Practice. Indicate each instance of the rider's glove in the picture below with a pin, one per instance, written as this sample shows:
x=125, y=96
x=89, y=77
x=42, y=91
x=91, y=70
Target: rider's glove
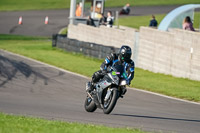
x=104, y=72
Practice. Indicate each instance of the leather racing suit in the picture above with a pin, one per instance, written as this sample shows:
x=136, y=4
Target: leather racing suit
x=109, y=60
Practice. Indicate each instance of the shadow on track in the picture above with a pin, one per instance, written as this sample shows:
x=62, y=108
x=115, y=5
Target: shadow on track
x=12, y=30
x=9, y=68
x=153, y=117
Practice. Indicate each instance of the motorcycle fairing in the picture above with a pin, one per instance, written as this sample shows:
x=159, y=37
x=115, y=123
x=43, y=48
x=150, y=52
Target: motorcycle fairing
x=100, y=86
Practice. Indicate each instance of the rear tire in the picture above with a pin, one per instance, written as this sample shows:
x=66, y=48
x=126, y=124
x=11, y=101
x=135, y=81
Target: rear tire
x=89, y=105
x=114, y=97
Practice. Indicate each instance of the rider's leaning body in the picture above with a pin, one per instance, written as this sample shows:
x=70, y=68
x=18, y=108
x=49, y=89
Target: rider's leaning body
x=123, y=58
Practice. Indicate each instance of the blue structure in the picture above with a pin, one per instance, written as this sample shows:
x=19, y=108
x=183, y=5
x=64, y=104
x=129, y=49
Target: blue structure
x=175, y=18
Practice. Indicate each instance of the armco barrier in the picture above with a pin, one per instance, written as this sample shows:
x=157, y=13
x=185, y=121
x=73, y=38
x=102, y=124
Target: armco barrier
x=86, y=48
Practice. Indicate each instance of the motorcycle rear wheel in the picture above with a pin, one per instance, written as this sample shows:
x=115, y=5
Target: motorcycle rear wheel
x=108, y=107
x=89, y=105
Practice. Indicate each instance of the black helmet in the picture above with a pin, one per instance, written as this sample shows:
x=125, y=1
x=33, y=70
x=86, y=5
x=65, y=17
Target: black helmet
x=125, y=53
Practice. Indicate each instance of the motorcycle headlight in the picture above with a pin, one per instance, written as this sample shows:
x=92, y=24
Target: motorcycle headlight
x=123, y=82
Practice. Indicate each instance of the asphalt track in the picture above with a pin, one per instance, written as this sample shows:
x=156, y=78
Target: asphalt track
x=32, y=88
x=33, y=21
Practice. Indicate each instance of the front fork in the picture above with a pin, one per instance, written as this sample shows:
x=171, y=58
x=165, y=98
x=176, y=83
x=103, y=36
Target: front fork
x=109, y=91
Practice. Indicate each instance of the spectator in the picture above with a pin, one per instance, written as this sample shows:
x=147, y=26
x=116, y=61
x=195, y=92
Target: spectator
x=109, y=19
x=153, y=22
x=125, y=10
x=78, y=9
x=187, y=24
x=90, y=21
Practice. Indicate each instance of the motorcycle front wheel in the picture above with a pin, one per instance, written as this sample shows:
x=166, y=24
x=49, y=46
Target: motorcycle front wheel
x=89, y=105
x=109, y=105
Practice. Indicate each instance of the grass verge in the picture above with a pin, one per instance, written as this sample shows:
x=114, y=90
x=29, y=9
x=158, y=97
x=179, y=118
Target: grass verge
x=63, y=31
x=12, y=5
x=21, y=124
x=137, y=21
x=41, y=50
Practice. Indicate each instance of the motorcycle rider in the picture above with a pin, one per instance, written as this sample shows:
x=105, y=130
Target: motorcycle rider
x=123, y=58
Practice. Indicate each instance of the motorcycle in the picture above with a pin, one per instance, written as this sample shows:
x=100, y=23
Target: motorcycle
x=107, y=91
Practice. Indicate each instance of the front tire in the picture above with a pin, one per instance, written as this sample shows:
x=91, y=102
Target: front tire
x=109, y=106
x=89, y=105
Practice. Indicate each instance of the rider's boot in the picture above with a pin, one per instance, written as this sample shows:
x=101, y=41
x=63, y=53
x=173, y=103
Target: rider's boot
x=89, y=86
x=124, y=91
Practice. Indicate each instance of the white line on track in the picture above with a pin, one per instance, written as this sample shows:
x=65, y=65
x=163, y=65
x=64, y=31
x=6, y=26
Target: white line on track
x=51, y=66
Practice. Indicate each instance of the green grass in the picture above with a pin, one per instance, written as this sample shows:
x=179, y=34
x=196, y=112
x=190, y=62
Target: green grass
x=20, y=37
x=197, y=20
x=167, y=85
x=63, y=31
x=11, y=5
x=137, y=21
x=42, y=50
x=21, y=124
